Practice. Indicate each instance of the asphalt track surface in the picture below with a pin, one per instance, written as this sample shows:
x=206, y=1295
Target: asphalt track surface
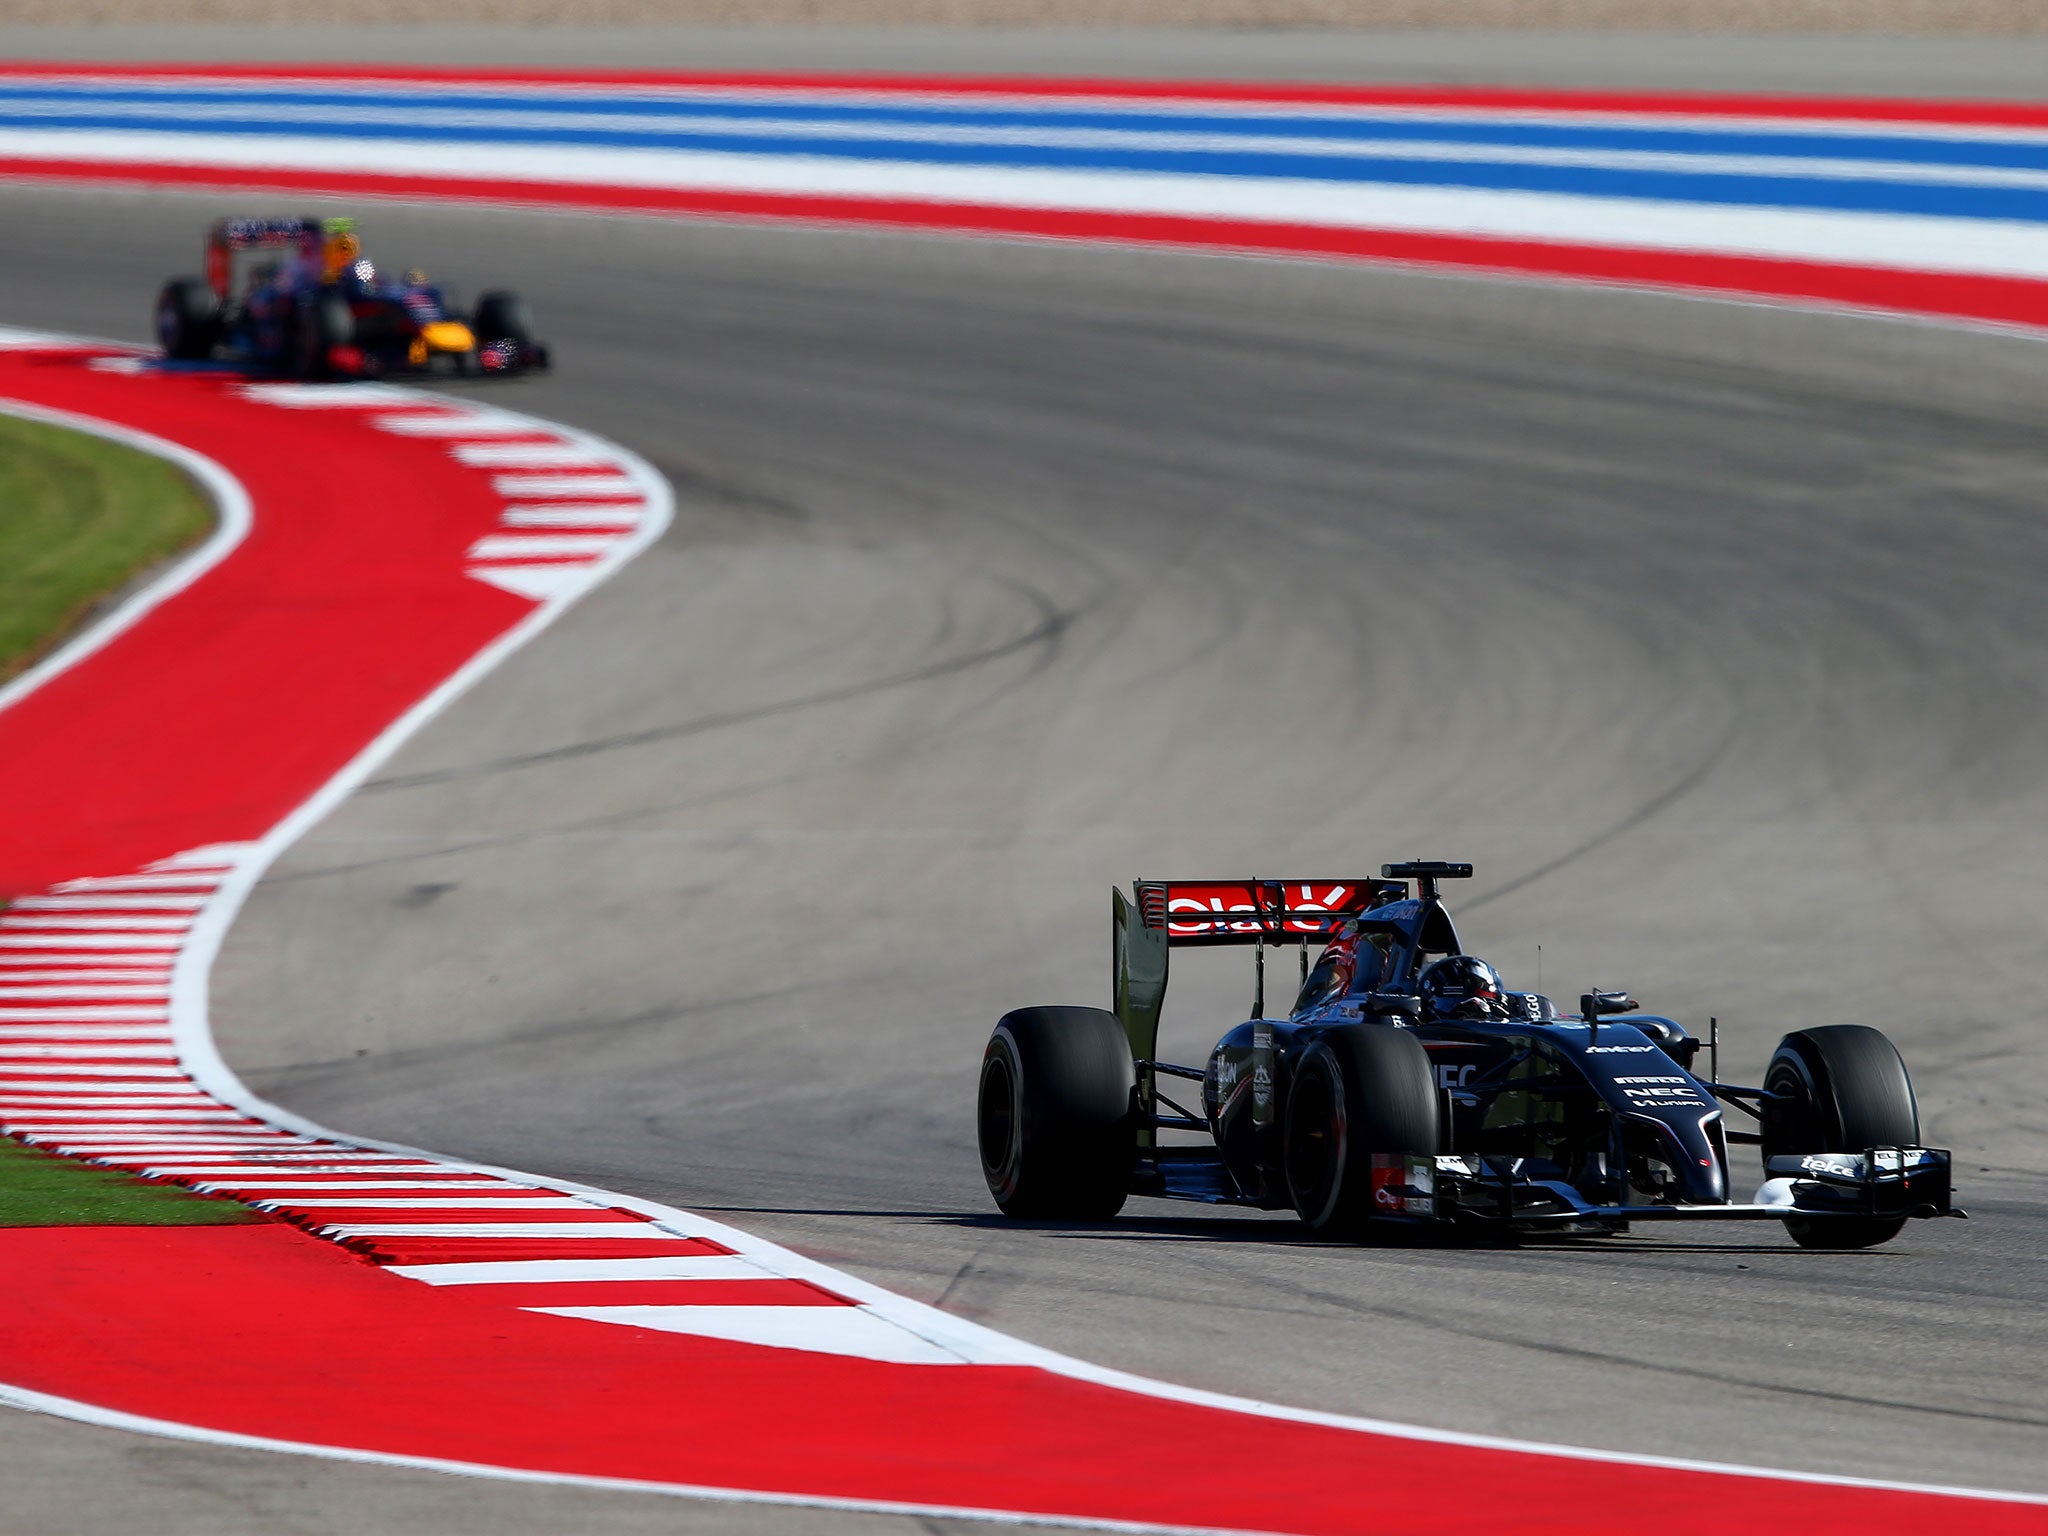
x=1002, y=573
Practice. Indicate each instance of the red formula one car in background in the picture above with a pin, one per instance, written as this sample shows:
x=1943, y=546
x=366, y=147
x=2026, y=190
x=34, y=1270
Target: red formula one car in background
x=299, y=298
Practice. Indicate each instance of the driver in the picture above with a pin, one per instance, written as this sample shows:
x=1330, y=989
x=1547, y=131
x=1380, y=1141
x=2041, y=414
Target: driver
x=340, y=251
x=1462, y=987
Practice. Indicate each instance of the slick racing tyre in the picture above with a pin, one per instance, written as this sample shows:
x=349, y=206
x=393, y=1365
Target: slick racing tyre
x=1360, y=1089
x=320, y=323
x=502, y=315
x=1841, y=1088
x=1057, y=1126
x=187, y=320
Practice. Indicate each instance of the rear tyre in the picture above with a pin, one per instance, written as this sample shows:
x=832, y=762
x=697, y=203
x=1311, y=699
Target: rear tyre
x=1057, y=1126
x=1843, y=1088
x=320, y=323
x=1361, y=1089
x=187, y=319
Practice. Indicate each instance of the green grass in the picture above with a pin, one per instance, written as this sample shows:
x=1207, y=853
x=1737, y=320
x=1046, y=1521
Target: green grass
x=79, y=519
x=39, y=1190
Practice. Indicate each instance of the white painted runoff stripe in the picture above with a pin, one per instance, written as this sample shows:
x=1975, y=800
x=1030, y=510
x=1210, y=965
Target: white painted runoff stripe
x=478, y=422
x=552, y=1271
x=530, y=456
x=133, y=924
x=81, y=968
x=333, y=397
x=598, y=514
x=80, y=1014
x=631, y=1231
x=322, y=1184
x=511, y=546
x=565, y=485
x=823, y=1330
x=152, y=882
x=541, y=583
x=32, y=1099
x=83, y=941
x=85, y=1118
x=214, y=1167
x=499, y=1202
x=86, y=901
x=10, y=993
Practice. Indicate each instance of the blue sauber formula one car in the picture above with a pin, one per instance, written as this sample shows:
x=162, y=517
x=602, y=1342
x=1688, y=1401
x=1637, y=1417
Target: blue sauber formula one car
x=306, y=303
x=1407, y=1089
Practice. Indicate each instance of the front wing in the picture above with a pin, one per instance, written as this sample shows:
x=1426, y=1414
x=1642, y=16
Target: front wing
x=1880, y=1183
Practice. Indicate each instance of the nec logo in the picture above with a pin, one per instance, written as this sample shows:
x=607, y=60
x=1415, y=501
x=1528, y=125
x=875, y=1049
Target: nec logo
x=1451, y=1076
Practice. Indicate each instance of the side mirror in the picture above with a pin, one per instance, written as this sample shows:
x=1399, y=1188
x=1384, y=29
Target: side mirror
x=1594, y=1005
x=1406, y=1004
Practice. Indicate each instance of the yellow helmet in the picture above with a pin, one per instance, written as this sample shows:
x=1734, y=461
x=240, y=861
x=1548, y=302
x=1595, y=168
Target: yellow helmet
x=340, y=253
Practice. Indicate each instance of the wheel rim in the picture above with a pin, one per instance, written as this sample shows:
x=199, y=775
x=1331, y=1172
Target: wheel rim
x=1794, y=1123
x=998, y=1123
x=1314, y=1146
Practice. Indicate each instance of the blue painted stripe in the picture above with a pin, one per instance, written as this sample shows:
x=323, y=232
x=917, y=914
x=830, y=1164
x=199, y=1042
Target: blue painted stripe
x=1944, y=150
x=1942, y=200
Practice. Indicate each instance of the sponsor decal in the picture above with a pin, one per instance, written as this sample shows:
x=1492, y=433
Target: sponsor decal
x=1836, y=1167
x=1617, y=1050
x=1262, y=1072
x=1403, y=1186
x=1658, y=1091
x=1451, y=1076
x=1220, y=902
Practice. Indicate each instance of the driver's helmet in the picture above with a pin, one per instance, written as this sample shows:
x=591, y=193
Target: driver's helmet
x=339, y=252
x=1462, y=987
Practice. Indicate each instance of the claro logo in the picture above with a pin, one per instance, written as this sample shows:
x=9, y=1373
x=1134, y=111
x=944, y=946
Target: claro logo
x=1225, y=902
x=1617, y=1050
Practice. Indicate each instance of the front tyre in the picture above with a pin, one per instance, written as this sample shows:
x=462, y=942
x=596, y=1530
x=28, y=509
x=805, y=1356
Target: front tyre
x=1359, y=1090
x=1056, y=1121
x=1841, y=1088
x=502, y=315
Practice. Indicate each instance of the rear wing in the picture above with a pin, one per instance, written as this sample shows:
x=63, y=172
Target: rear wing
x=228, y=236
x=253, y=234
x=1169, y=914
x=1205, y=912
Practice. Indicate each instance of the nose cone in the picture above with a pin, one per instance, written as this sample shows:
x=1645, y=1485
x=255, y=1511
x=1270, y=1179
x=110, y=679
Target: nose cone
x=1701, y=1170
x=448, y=336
